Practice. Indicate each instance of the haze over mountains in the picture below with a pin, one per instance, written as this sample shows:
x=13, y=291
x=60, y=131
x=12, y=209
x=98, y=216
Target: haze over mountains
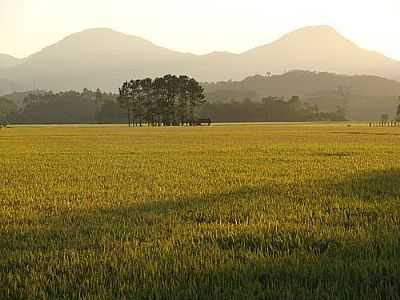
x=7, y=61
x=104, y=58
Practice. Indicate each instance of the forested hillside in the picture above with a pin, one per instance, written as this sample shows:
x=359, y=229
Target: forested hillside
x=363, y=97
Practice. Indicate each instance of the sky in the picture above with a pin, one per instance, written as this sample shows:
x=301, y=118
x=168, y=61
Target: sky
x=199, y=27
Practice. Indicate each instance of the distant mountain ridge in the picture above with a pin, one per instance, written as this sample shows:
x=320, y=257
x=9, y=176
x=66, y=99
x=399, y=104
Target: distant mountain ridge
x=104, y=58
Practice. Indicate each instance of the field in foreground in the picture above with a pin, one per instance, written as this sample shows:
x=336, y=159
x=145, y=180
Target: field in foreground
x=220, y=212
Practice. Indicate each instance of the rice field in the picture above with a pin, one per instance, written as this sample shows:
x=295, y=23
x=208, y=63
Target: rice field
x=278, y=211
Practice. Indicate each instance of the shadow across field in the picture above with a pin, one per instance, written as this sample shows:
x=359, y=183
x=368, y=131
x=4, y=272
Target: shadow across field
x=270, y=241
x=372, y=186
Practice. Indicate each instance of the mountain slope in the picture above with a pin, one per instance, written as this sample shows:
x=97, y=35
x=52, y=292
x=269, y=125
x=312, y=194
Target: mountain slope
x=318, y=48
x=7, y=61
x=100, y=47
x=104, y=58
x=94, y=58
x=8, y=86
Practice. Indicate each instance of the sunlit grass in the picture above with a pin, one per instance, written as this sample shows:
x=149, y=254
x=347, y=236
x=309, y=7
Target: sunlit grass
x=221, y=212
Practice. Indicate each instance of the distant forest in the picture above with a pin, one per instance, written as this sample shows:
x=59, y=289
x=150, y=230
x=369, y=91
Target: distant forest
x=294, y=96
x=98, y=107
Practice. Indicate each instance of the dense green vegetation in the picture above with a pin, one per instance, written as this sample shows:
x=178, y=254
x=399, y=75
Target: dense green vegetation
x=220, y=212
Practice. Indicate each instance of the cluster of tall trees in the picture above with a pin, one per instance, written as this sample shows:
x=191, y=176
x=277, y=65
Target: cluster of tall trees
x=167, y=100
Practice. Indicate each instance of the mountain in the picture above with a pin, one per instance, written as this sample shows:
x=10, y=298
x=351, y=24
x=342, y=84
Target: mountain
x=93, y=58
x=7, y=85
x=104, y=58
x=364, y=97
x=7, y=61
x=319, y=48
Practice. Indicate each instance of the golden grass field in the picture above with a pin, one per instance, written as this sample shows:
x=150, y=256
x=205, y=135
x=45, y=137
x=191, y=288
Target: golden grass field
x=223, y=212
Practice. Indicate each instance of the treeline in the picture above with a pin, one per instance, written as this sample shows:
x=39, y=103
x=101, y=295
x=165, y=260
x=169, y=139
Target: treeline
x=270, y=109
x=69, y=107
x=168, y=100
x=96, y=107
x=7, y=108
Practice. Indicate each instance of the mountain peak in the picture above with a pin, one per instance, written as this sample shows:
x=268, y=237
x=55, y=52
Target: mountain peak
x=219, y=54
x=326, y=29
x=105, y=35
x=98, y=29
x=316, y=34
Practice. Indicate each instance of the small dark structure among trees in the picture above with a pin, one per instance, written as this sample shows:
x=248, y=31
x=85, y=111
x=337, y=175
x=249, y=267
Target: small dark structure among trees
x=163, y=101
x=200, y=122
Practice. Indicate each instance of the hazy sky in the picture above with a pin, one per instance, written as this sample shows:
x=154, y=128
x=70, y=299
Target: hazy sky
x=198, y=26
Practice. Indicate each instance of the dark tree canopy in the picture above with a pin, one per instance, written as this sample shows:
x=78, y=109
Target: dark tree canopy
x=64, y=108
x=168, y=100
